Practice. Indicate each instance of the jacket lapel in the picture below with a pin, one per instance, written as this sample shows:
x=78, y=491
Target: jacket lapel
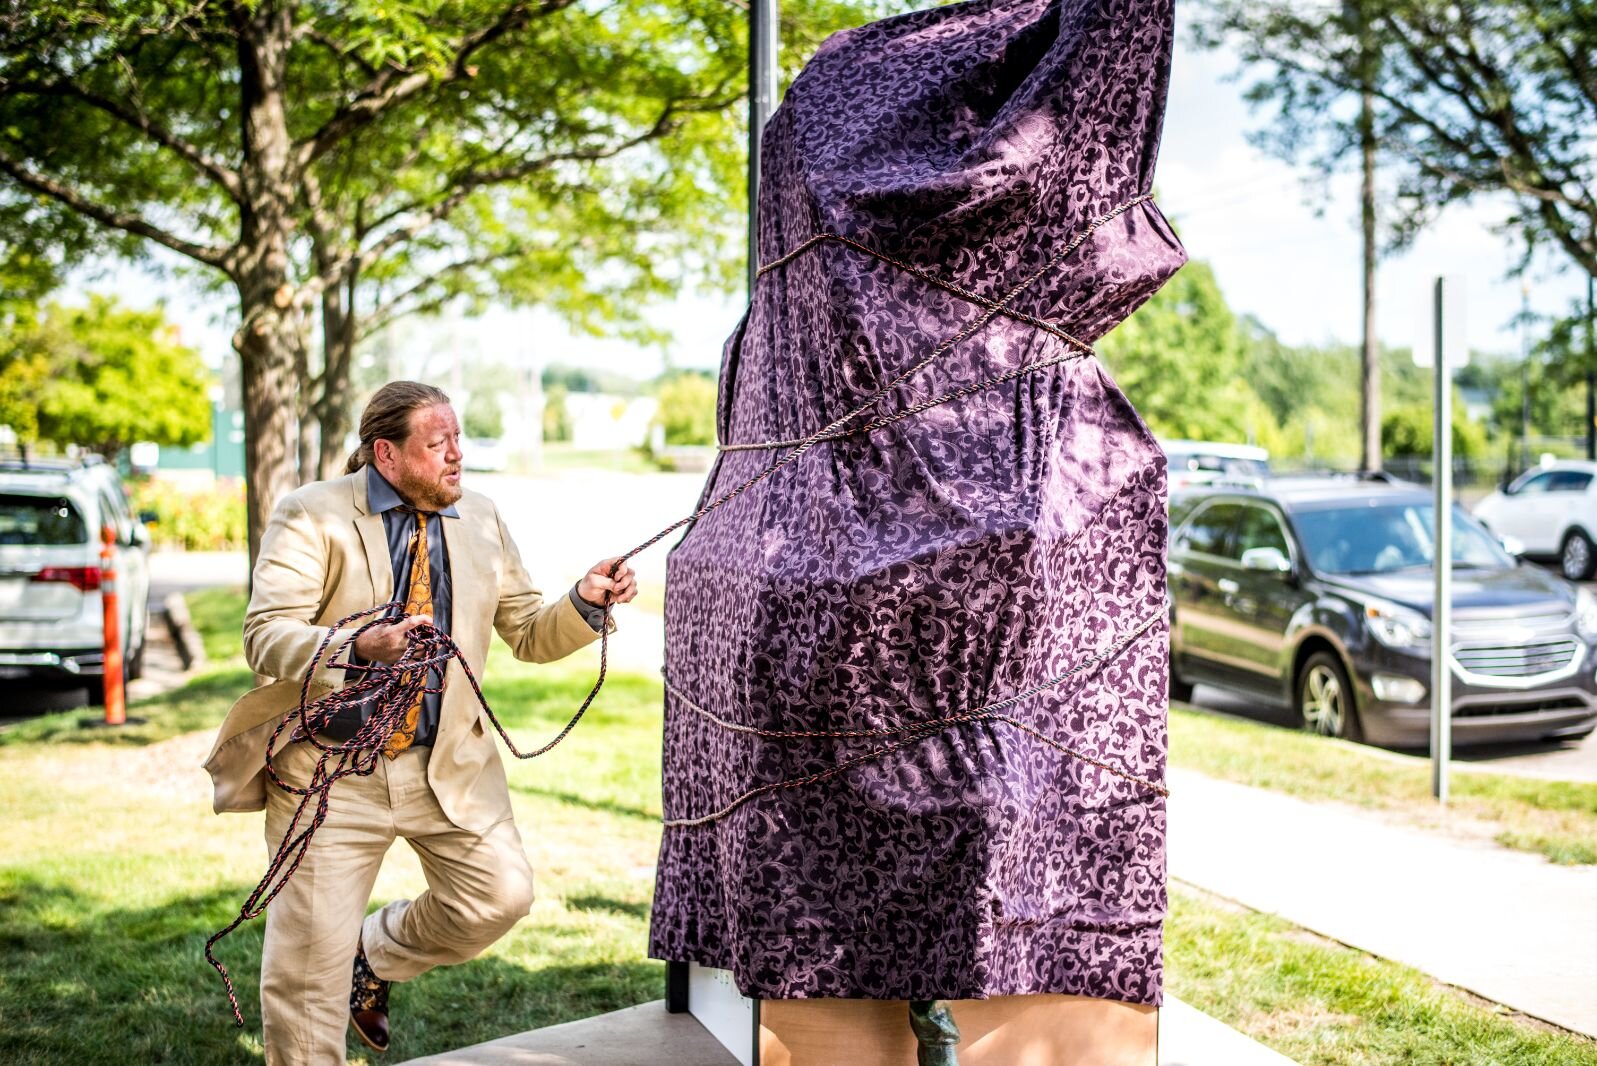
x=374, y=538
x=466, y=580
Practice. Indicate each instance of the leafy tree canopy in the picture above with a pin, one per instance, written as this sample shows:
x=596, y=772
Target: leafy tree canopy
x=104, y=377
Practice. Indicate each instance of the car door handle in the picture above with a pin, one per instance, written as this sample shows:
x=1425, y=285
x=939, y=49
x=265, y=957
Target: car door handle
x=1228, y=586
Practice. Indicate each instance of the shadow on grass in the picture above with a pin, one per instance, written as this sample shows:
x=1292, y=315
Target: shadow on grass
x=587, y=802
x=200, y=704
x=86, y=982
x=638, y=910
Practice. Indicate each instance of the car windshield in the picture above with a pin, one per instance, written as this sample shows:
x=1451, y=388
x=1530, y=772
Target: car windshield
x=45, y=521
x=1388, y=537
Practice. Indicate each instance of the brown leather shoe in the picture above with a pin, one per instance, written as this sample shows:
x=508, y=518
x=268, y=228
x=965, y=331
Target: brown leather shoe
x=368, y=1004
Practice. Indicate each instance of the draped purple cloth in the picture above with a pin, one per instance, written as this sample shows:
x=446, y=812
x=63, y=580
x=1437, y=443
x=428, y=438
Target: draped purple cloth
x=944, y=562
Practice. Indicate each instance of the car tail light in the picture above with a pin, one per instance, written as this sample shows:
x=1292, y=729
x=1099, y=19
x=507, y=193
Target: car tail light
x=82, y=578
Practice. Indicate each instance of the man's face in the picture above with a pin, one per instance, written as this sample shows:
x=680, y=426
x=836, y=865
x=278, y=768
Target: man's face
x=426, y=467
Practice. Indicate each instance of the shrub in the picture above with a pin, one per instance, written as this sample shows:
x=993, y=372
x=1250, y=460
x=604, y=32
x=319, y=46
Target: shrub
x=687, y=408
x=210, y=519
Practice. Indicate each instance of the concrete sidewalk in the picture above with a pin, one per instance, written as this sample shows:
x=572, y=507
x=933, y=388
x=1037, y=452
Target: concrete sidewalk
x=646, y=1035
x=1506, y=925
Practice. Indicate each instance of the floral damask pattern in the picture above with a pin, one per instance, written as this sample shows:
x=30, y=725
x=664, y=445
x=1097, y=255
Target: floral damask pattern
x=948, y=560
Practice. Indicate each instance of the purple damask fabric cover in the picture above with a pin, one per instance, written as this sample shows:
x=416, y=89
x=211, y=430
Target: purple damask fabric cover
x=948, y=560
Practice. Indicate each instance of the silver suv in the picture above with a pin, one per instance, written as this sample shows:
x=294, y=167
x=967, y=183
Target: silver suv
x=52, y=621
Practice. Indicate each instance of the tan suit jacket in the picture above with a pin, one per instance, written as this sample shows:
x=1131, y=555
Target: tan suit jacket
x=324, y=557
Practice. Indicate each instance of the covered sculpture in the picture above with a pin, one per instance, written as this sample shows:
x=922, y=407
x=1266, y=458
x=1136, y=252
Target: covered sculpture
x=916, y=679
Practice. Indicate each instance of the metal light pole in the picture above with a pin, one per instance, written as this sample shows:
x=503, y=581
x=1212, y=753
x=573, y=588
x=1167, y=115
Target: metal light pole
x=1524, y=376
x=762, y=101
x=1448, y=346
x=1591, y=375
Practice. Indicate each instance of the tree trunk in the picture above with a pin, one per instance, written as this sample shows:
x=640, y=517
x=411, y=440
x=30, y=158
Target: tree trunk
x=1371, y=459
x=304, y=412
x=338, y=351
x=269, y=338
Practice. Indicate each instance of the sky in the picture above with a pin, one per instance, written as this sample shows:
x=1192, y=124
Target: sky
x=1246, y=214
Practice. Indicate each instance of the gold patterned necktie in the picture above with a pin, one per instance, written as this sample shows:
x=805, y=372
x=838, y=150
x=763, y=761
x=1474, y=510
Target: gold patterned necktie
x=419, y=600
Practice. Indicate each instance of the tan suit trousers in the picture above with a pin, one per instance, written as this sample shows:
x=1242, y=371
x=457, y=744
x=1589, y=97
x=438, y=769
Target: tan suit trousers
x=478, y=886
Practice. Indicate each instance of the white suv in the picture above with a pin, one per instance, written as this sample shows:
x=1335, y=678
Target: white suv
x=52, y=621
x=1552, y=510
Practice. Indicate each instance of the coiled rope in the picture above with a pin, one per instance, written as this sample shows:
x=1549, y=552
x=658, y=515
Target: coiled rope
x=389, y=689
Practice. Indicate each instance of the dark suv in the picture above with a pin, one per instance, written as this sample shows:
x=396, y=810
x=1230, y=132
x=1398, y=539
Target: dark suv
x=1315, y=593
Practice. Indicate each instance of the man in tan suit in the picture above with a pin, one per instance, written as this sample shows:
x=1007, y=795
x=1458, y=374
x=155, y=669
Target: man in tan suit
x=396, y=526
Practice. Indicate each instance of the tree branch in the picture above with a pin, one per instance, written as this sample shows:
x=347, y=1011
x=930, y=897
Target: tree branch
x=219, y=172
x=394, y=86
x=470, y=181
x=309, y=32
x=393, y=308
x=221, y=258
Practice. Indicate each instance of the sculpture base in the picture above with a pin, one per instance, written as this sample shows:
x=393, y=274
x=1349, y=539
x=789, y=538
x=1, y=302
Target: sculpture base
x=1040, y=1030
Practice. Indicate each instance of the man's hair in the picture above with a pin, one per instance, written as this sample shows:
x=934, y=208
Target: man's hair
x=387, y=417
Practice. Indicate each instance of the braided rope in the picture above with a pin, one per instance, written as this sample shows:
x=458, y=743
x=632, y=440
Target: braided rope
x=916, y=731
x=931, y=279
x=390, y=688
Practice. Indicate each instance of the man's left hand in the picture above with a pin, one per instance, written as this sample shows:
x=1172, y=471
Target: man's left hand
x=597, y=581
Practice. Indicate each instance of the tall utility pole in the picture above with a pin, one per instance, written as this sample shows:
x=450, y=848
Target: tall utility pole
x=762, y=101
x=1524, y=376
x=1591, y=373
x=1369, y=60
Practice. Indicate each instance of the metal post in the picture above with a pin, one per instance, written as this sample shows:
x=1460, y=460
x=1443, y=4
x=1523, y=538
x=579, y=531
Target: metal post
x=1442, y=454
x=1524, y=378
x=762, y=101
x=1591, y=375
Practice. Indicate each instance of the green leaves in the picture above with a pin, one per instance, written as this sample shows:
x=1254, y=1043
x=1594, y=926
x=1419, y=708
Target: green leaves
x=102, y=376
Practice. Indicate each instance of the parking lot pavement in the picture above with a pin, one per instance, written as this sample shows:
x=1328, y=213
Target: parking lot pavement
x=1558, y=760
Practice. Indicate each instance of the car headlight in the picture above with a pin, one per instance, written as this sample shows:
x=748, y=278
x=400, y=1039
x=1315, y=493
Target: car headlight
x=1585, y=614
x=1398, y=627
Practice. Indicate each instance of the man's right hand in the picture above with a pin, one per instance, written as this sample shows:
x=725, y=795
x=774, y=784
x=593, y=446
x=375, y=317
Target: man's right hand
x=386, y=643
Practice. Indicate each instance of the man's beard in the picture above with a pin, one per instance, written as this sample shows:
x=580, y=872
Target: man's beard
x=427, y=495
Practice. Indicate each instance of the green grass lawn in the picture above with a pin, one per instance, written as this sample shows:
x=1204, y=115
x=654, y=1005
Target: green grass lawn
x=563, y=457
x=1323, y=1004
x=114, y=871
x=1557, y=819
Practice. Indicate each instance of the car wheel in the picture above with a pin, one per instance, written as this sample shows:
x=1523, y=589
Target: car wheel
x=1325, y=698
x=135, y=662
x=1576, y=556
x=1179, y=690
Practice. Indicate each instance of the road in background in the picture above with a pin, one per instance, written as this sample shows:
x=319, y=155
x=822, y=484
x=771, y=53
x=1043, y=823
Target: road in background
x=1559, y=760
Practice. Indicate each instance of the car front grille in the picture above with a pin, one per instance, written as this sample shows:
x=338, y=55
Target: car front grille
x=1529, y=659
x=1493, y=710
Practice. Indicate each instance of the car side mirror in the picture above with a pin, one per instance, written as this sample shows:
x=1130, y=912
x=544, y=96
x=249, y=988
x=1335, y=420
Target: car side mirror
x=1270, y=560
x=1512, y=545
